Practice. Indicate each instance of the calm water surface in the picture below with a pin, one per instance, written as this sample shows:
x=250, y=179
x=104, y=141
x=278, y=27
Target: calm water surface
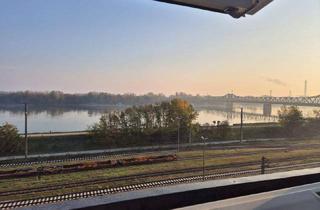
x=76, y=120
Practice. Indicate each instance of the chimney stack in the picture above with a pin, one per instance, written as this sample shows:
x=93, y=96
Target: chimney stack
x=305, y=88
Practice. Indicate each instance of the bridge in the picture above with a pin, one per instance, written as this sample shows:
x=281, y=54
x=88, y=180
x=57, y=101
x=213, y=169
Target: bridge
x=230, y=115
x=267, y=101
x=296, y=101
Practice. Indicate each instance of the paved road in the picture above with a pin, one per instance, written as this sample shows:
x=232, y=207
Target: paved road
x=133, y=149
x=76, y=133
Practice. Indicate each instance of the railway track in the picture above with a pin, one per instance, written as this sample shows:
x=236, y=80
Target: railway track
x=105, y=156
x=220, y=169
x=108, y=191
x=84, y=158
x=312, y=155
x=198, y=157
x=125, y=178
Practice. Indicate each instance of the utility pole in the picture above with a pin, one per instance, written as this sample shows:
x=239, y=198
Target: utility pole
x=178, y=143
x=203, y=157
x=241, y=126
x=26, y=129
x=190, y=134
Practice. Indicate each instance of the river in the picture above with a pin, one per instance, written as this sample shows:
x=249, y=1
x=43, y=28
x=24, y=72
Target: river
x=78, y=119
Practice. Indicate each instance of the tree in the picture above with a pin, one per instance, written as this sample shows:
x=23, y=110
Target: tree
x=146, y=120
x=108, y=125
x=312, y=125
x=291, y=119
x=183, y=111
x=10, y=141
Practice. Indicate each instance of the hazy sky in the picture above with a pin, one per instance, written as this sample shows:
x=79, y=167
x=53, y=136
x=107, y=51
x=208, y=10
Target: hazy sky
x=141, y=46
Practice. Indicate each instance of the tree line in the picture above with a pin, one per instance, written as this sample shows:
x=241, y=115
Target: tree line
x=94, y=98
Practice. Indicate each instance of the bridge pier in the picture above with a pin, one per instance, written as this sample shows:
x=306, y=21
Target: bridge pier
x=229, y=106
x=267, y=109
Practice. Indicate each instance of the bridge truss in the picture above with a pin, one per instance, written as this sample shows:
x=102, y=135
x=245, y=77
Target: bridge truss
x=297, y=101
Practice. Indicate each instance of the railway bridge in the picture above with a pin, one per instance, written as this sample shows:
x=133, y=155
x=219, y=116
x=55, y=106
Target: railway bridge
x=267, y=101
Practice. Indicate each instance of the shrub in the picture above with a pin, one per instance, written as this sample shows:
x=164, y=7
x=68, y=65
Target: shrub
x=10, y=141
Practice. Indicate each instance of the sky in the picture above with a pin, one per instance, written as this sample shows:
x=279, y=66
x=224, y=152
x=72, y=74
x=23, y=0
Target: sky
x=141, y=46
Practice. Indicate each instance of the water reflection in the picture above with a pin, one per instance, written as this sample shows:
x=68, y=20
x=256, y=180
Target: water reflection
x=75, y=118
x=60, y=111
x=232, y=116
